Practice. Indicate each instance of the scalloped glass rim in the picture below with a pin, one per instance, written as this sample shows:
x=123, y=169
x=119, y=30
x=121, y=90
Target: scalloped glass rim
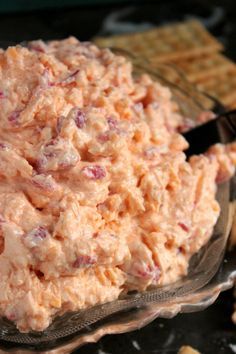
x=224, y=280
x=136, y=317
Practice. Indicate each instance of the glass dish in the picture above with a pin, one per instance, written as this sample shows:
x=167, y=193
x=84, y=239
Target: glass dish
x=135, y=310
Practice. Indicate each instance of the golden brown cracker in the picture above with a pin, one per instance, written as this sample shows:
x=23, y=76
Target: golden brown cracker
x=176, y=76
x=205, y=66
x=222, y=86
x=233, y=104
x=186, y=349
x=169, y=42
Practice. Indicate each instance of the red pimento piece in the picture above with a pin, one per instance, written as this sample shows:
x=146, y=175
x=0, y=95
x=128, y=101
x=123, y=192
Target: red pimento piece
x=40, y=232
x=149, y=272
x=12, y=316
x=3, y=146
x=2, y=95
x=40, y=164
x=183, y=226
x=103, y=137
x=113, y=124
x=143, y=273
x=43, y=183
x=79, y=119
x=94, y=172
x=66, y=164
x=59, y=124
x=69, y=79
x=52, y=142
x=37, y=47
x=13, y=118
x=84, y=261
x=73, y=74
x=2, y=220
x=50, y=154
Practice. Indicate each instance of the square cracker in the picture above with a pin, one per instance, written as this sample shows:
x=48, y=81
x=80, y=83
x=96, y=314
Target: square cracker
x=186, y=349
x=203, y=67
x=222, y=86
x=165, y=43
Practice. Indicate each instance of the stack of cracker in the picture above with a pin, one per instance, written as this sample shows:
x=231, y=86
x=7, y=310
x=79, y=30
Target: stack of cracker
x=191, y=49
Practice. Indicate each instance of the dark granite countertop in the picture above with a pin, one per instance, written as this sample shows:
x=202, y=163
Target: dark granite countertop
x=210, y=331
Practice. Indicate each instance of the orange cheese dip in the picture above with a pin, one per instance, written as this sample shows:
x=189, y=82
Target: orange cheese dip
x=96, y=196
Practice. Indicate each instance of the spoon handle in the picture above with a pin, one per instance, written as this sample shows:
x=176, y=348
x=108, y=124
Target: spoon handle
x=222, y=129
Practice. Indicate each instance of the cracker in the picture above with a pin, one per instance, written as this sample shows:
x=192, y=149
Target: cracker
x=177, y=77
x=223, y=87
x=170, y=42
x=233, y=104
x=205, y=66
x=186, y=349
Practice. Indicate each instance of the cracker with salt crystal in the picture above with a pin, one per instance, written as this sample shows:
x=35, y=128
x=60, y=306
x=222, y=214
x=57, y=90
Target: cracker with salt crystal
x=165, y=43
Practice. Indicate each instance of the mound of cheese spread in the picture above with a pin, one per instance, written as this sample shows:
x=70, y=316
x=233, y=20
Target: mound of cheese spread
x=96, y=195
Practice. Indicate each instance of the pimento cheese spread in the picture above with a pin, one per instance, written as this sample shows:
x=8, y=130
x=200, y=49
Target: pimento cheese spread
x=96, y=195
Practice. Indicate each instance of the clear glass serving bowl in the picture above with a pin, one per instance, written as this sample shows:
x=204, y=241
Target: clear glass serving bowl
x=135, y=310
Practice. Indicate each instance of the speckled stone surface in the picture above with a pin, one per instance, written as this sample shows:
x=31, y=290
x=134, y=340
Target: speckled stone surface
x=210, y=331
